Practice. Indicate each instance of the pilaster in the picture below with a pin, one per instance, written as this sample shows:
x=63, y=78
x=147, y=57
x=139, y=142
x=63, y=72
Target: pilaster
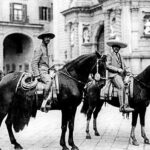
x=134, y=27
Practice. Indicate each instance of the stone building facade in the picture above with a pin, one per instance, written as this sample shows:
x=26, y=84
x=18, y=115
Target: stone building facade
x=21, y=21
x=83, y=26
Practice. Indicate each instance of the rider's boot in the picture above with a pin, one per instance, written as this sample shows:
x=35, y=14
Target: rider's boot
x=48, y=99
x=124, y=106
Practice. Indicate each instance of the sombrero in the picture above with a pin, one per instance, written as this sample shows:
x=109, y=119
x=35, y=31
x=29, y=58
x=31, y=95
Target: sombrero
x=44, y=34
x=116, y=42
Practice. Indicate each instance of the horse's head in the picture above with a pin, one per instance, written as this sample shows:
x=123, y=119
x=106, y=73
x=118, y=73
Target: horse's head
x=81, y=67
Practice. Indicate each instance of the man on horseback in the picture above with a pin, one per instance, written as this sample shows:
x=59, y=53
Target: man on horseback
x=117, y=72
x=40, y=67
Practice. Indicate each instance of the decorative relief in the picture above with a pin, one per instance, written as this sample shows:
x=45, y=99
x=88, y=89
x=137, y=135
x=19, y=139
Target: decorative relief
x=112, y=34
x=72, y=35
x=86, y=33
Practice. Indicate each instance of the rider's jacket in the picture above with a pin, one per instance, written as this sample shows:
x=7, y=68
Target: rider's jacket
x=40, y=60
x=114, y=62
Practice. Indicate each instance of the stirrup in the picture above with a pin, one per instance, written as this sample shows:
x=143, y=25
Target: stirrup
x=126, y=109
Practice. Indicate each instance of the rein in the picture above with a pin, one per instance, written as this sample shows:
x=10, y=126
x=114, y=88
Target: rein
x=68, y=75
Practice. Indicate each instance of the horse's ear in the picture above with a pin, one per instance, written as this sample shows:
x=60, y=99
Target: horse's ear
x=98, y=54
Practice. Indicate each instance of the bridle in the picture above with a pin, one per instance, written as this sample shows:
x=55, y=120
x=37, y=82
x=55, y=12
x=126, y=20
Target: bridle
x=66, y=73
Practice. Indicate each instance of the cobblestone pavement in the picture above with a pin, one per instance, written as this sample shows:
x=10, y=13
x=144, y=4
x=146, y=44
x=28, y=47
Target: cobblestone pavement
x=43, y=133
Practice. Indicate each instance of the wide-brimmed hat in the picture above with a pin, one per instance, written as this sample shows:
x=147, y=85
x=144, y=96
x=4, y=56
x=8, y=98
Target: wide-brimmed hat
x=116, y=42
x=46, y=34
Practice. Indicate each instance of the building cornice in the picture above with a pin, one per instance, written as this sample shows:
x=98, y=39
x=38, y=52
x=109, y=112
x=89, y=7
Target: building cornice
x=85, y=9
x=3, y=23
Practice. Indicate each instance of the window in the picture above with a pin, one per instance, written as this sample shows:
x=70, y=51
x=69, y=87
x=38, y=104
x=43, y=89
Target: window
x=45, y=13
x=18, y=12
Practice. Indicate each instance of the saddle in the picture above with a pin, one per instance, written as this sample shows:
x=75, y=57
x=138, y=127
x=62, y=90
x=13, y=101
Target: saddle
x=27, y=82
x=109, y=90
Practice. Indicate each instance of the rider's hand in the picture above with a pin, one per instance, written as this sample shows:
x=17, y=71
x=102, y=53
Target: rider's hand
x=120, y=71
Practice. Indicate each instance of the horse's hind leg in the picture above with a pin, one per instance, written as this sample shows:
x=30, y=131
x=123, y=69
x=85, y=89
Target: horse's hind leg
x=71, y=129
x=10, y=132
x=133, y=139
x=95, y=114
x=142, y=122
x=89, y=114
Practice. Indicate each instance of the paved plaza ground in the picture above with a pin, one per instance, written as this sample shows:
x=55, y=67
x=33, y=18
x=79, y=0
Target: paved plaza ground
x=43, y=133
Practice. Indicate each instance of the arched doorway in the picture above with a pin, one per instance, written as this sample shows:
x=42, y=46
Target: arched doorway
x=17, y=52
x=100, y=39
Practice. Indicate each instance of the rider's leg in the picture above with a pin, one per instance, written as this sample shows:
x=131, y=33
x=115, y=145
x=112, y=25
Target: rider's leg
x=118, y=83
x=47, y=91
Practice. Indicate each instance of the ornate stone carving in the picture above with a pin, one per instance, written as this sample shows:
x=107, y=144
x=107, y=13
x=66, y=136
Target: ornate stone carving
x=86, y=33
x=72, y=35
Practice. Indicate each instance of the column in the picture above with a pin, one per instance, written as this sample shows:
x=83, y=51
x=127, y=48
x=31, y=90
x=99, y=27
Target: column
x=68, y=40
x=134, y=27
x=1, y=53
x=106, y=30
x=118, y=22
x=76, y=42
x=126, y=28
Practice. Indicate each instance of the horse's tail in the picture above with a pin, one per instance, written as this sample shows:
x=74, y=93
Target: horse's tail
x=24, y=107
x=85, y=106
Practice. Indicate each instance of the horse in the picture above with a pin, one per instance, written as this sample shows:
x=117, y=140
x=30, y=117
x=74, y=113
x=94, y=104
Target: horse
x=19, y=105
x=139, y=101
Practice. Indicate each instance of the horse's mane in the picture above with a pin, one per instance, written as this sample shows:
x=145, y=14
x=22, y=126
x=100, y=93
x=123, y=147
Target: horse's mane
x=79, y=60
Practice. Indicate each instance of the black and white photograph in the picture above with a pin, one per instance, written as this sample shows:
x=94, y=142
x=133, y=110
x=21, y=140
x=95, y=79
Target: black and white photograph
x=74, y=74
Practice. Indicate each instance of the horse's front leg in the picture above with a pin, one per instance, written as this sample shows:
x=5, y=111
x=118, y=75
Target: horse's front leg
x=64, y=129
x=71, y=129
x=95, y=114
x=10, y=132
x=142, y=122
x=133, y=139
x=89, y=114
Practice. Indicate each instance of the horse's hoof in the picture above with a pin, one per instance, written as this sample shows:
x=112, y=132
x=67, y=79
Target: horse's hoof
x=18, y=147
x=97, y=134
x=65, y=148
x=134, y=142
x=74, y=148
x=146, y=141
x=88, y=137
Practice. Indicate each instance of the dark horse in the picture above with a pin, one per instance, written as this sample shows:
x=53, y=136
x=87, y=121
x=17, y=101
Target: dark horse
x=20, y=105
x=140, y=101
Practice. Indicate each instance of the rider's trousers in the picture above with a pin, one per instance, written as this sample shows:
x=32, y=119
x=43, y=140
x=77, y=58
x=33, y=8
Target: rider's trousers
x=119, y=84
